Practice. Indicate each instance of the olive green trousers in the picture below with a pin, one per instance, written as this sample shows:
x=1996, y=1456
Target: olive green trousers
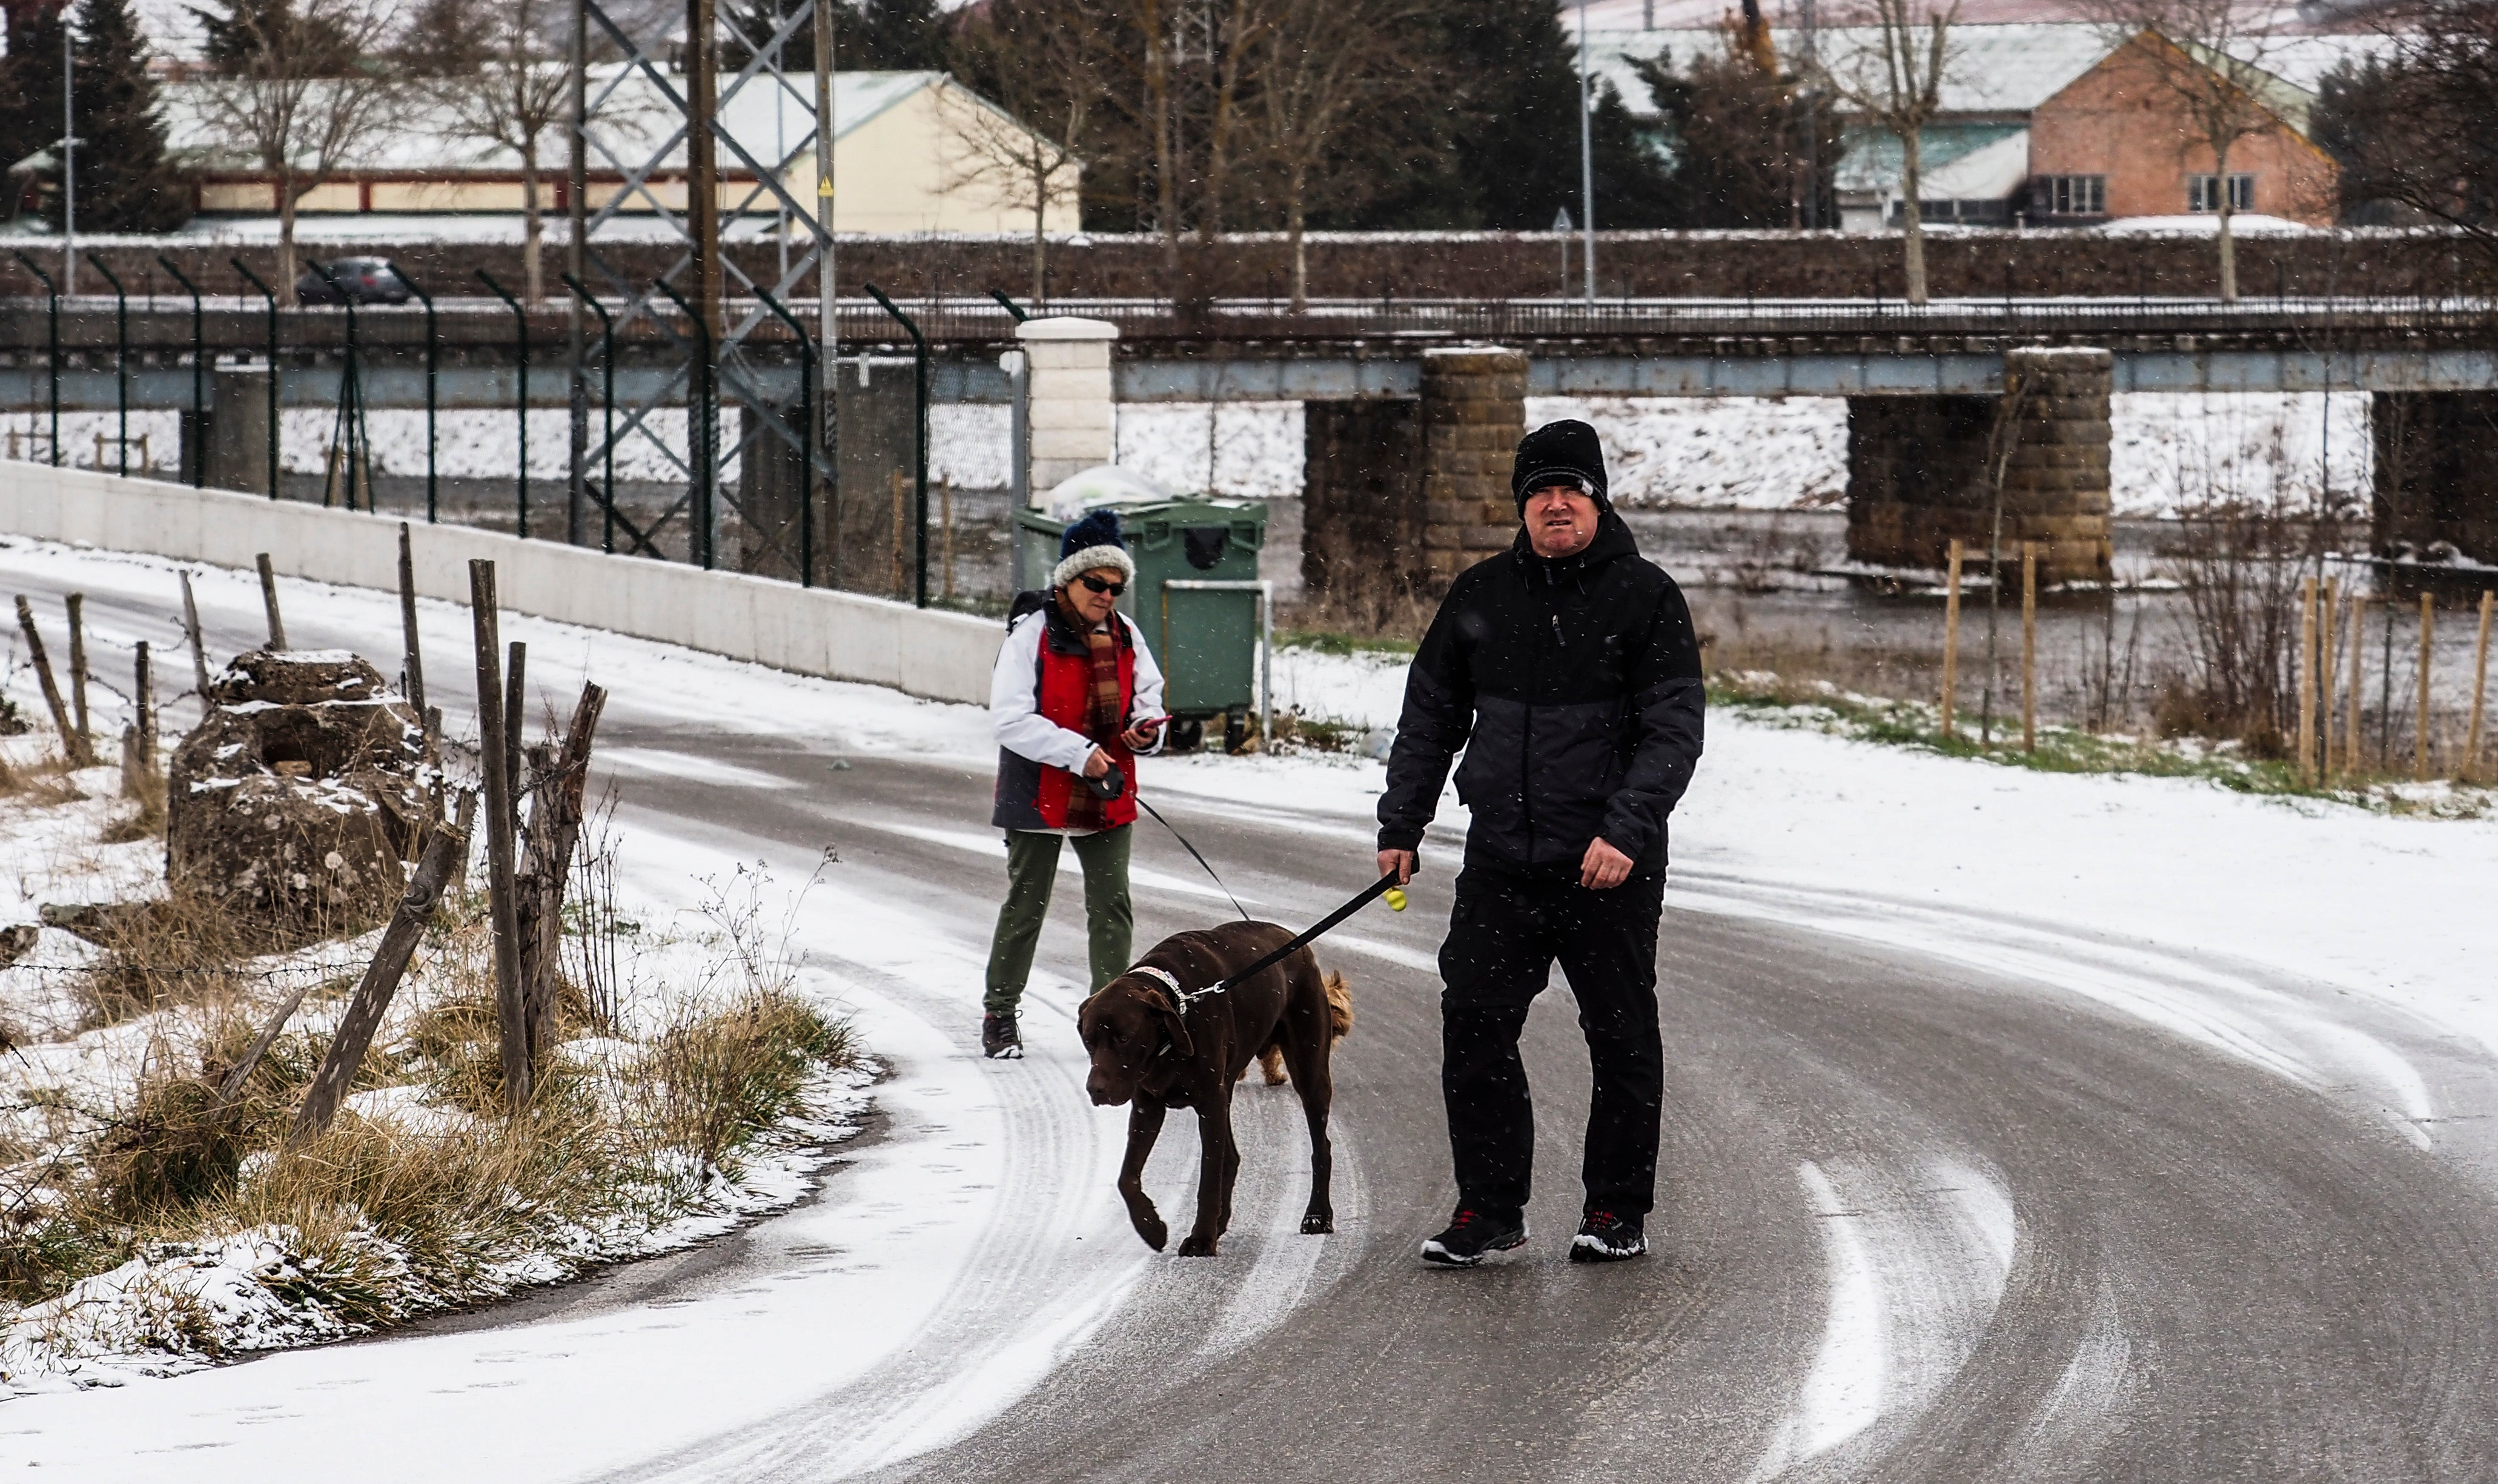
x=1032, y=869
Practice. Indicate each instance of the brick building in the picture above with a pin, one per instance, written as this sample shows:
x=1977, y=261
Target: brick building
x=2121, y=140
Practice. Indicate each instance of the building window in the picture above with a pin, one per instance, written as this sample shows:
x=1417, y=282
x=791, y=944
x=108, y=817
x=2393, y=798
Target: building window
x=2203, y=193
x=2071, y=195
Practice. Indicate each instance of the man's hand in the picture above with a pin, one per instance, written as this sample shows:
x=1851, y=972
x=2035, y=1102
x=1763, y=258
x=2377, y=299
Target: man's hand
x=1402, y=864
x=1603, y=866
x=1097, y=764
x=1140, y=735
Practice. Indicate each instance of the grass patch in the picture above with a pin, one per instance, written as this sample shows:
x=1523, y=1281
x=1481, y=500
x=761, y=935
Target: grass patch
x=1823, y=708
x=1339, y=641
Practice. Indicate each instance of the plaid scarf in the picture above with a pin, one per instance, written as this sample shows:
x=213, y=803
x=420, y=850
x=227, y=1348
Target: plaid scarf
x=1102, y=721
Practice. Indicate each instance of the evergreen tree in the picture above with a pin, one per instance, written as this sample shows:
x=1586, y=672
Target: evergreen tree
x=1737, y=136
x=125, y=183
x=1505, y=149
x=30, y=89
x=871, y=34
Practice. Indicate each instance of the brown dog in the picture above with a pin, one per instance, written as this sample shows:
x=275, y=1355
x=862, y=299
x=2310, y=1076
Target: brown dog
x=1159, y=1043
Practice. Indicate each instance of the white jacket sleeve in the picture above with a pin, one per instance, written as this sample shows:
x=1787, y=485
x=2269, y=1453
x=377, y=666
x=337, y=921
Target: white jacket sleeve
x=1148, y=701
x=1014, y=713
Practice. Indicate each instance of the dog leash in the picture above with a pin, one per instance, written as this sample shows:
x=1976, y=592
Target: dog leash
x=1377, y=888
x=1112, y=785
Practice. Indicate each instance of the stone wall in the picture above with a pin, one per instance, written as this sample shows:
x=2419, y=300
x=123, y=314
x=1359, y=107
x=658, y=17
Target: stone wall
x=1474, y=412
x=1361, y=506
x=1917, y=475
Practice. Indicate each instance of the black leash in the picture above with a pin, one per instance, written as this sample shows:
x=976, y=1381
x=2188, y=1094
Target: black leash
x=1375, y=890
x=1192, y=849
x=1112, y=785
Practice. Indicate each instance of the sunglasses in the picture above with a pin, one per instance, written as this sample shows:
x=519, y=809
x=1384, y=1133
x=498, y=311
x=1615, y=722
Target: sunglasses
x=1114, y=588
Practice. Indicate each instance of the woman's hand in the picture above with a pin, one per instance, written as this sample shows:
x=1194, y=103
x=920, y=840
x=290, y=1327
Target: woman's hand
x=1140, y=735
x=1097, y=764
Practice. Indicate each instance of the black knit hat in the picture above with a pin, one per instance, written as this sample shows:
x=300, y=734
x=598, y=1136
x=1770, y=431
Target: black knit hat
x=1566, y=452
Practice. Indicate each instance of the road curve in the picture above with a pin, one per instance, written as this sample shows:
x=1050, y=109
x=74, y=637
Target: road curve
x=2033, y=1211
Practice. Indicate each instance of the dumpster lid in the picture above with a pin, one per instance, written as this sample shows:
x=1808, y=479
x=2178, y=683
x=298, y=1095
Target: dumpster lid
x=1104, y=484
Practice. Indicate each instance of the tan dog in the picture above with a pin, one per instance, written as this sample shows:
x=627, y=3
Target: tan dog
x=1159, y=1040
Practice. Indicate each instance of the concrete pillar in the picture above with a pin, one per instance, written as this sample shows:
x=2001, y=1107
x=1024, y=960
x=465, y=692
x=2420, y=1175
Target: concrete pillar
x=1361, y=506
x=2436, y=478
x=1069, y=396
x=237, y=433
x=1474, y=412
x=1917, y=475
x=860, y=545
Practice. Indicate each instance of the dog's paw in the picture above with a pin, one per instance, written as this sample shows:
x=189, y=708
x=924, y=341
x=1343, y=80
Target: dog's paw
x=1150, y=1227
x=1318, y=1223
x=1195, y=1245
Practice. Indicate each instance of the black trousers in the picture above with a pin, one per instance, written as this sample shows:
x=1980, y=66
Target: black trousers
x=1504, y=934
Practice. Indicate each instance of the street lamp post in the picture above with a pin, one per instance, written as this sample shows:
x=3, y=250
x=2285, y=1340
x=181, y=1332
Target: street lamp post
x=1586, y=163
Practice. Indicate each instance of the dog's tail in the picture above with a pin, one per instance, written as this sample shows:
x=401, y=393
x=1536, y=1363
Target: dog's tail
x=1340, y=1006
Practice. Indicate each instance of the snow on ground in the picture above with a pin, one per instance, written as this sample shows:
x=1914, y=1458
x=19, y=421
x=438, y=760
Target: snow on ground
x=2174, y=901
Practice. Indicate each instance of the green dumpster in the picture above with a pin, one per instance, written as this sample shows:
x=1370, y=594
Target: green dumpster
x=1196, y=596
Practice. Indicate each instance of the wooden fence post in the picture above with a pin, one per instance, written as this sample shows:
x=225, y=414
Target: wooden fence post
x=76, y=602
x=2028, y=646
x=445, y=859
x=2358, y=670
x=1951, y=632
x=2329, y=658
x=556, y=785
x=2307, y=682
x=73, y=746
x=516, y=725
x=411, y=651
x=492, y=763
x=191, y=632
x=2471, y=769
x=2421, y=749
x=268, y=600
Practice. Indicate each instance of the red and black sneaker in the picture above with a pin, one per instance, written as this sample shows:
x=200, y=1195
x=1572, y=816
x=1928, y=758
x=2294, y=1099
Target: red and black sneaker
x=1471, y=1236
x=1604, y=1238
x=1000, y=1038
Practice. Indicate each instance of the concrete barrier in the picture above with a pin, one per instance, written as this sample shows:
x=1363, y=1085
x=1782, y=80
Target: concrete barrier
x=832, y=636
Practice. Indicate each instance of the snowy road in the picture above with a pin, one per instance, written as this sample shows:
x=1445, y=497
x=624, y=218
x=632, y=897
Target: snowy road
x=1945, y=1195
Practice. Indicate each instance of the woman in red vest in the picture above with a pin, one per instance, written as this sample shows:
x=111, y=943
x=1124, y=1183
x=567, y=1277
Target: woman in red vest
x=1076, y=696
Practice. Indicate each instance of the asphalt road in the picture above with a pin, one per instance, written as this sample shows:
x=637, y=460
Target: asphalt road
x=1918, y=1221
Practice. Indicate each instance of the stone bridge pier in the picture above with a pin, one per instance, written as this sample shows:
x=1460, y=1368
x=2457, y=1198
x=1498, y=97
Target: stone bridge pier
x=1398, y=495
x=2436, y=485
x=1918, y=475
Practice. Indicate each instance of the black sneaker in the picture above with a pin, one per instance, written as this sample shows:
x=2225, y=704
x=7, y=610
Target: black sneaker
x=1604, y=1238
x=1470, y=1236
x=999, y=1038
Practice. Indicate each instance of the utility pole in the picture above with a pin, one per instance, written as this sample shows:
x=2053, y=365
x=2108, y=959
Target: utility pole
x=576, y=185
x=1587, y=161
x=69, y=154
x=1810, y=69
x=827, y=283
x=702, y=175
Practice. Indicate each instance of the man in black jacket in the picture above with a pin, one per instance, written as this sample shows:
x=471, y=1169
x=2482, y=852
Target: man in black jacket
x=1567, y=671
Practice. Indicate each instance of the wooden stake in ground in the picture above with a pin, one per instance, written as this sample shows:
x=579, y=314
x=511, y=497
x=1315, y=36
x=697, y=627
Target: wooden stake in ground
x=901, y=483
x=556, y=785
x=77, y=605
x=2358, y=670
x=2471, y=769
x=73, y=746
x=492, y=762
x=268, y=600
x=2421, y=749
x=948, y=548
x=139, y=771
x=2307, y=681
x=2028, y=646
x=445, y=861
x=230, y=1089
x=516, y=724
x=411, y=652
x=191, y=632
x=1951, y=632
x=2329, y=631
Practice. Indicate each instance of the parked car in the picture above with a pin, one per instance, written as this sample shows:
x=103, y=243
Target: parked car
x=368, y=280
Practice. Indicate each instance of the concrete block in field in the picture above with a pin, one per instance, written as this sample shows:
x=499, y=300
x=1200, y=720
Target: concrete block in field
x=237, y=433
x=868, y=530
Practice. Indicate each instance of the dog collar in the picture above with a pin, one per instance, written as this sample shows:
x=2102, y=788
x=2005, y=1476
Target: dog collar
x=1179, y=996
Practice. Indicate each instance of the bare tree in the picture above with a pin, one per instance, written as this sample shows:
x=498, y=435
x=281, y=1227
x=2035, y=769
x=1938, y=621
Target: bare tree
x=2208, y=57
x=299, y=93
x=495, y=72
x=2416, y=127
x=1040, y=64
x=1322, y=68
x=1895, y=80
